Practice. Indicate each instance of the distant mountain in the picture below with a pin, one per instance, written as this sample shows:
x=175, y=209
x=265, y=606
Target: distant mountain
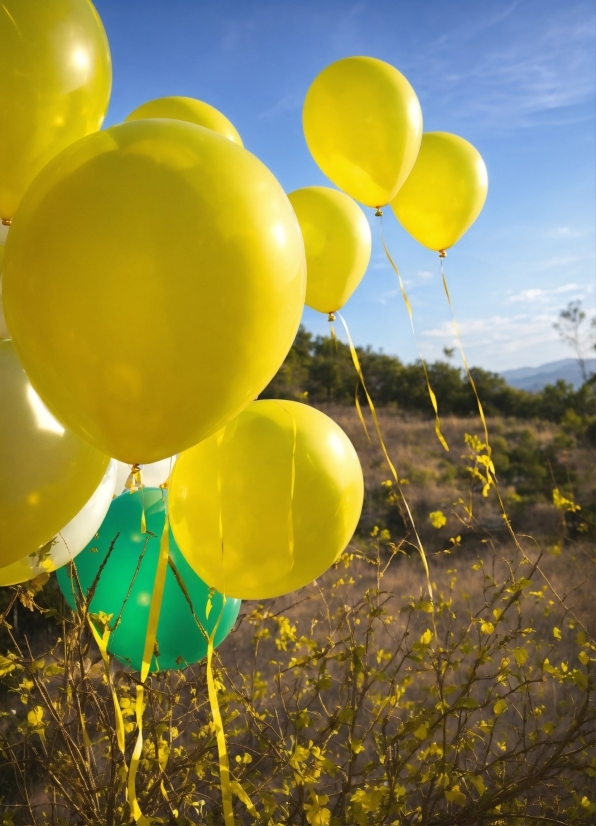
x=535, y=378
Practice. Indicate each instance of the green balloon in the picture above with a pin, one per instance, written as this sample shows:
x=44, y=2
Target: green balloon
x=180, y=641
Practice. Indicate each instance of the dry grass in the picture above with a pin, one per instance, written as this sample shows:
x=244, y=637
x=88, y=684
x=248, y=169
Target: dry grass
x=436, y=479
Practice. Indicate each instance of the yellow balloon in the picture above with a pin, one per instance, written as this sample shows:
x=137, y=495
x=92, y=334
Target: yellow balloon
x=47, y=473
x=337, y=241
x=445, y=192
x=363, y=124
x=189, y=110
x=269, y=503
x=153, y=283
x=56, y=76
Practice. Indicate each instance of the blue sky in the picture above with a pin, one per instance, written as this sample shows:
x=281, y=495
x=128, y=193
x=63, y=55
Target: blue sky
x=515, y=78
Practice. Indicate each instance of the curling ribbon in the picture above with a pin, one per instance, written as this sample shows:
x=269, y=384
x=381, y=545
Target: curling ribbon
x=227, y=787
x=102, y=644
x=134, y=483
x=222, y=751
x=148, y=652
x=465, y=361
x=358, y=368
x=224, y=762
x=431, y=392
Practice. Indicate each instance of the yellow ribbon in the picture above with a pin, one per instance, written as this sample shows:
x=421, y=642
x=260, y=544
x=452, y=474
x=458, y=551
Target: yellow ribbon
x=134, y=483
x=224, y=762
x=102, y=644
x=134, y=480
x=150, y=638
x=465, y=361
x=431, y=393
x=358, y=368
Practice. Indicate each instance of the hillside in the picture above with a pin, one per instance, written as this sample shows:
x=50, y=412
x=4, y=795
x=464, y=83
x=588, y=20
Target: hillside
x=535, y=379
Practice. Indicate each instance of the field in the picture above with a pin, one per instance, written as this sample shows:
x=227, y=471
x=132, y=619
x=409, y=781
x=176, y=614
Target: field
x=357, y=700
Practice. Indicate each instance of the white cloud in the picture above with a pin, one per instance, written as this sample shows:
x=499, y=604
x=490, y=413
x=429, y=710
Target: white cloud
x=385, y=297
x=507, y=334
x=502, y=341
x=420, y=279
x=567, y=232
x=537, y=294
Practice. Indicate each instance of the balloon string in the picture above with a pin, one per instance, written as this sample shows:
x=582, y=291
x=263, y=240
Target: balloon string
x=222, y=751
x=148, y=653
x=133, y=484
x=419, y=546
x=224, y=763
x=102, y=644
x=433, y=398
x=491, y=475
x=134, y=480
x=465, y=361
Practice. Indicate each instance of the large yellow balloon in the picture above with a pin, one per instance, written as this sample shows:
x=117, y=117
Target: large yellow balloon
x=337, y=241
x=189, y=110
x=56, y=75
x=445, y=192
x=363, y=124
x=153, y=283
x=267, y=504
x=46, y=472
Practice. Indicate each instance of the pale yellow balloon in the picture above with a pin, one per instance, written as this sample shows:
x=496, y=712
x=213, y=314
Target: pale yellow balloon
x=269, y=503
x=337, y=241
x=363, y=124
x=55, y=81
x=444, y=193
x=46, y=472
x=190, y=110
x=153, y=283
x=70, y=540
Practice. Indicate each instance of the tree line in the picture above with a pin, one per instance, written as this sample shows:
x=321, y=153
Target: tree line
x=319, y=369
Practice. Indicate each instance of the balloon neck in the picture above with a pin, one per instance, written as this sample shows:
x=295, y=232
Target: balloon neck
x=331, y=317
x=6, y=222
x=379, y=212
x=442, y=254
x=135, y=479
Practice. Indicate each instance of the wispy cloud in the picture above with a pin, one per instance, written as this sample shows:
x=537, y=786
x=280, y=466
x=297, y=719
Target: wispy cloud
x=420, y=279
x=567, y=232
x=385, y=297
x=544, y=69
x=287, y=103
x=507, y=334
x=490, y=340
x=537, y=294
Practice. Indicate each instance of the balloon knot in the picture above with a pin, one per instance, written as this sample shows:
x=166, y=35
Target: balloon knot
x=379, y=213
x=331, y=317
x=6, y=222
x=442, y=254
